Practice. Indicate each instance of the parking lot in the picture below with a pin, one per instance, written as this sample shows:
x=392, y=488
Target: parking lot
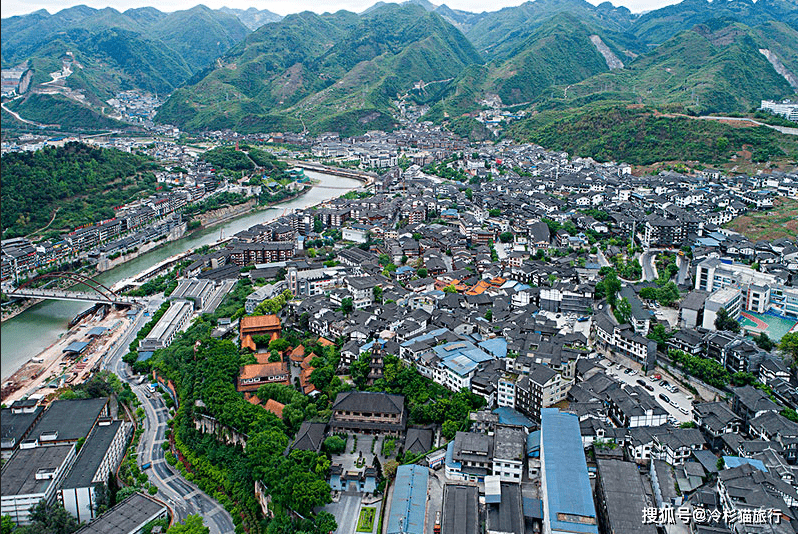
x=681, y=398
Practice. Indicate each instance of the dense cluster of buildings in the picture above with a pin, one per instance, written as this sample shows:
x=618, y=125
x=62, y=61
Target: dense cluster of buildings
x=493, y=285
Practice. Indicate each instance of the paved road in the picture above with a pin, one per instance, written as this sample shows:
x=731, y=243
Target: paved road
x=346, y=512
x=647, y=262
x=184, y=497
x=602, y=259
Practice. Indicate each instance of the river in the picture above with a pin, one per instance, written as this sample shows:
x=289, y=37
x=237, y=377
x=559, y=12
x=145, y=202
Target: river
x=30, y=332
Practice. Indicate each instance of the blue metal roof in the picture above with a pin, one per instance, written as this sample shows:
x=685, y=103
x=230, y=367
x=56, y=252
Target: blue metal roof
x=460, y=364
x=735, y=461
x=568, y=490
x=409, y=501
x=496, y=346
x=429, y=335
x=509, y=416
x=533, y=444
x=144, y=356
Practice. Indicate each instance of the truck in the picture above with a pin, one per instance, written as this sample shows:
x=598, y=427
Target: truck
x=146, y=466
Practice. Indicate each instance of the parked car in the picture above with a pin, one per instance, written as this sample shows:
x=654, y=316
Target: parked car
x=665, y=398
x=683, y=410
x=641, y=382
x=650, y=388
x=658, y=376
x=673, y=403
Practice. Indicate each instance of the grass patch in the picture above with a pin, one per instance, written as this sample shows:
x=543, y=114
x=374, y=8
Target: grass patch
x=779, y=221
x=365, y=522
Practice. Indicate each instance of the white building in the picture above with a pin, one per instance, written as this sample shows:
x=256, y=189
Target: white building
x=729, y=298
x=31, y=475
x=98, y=460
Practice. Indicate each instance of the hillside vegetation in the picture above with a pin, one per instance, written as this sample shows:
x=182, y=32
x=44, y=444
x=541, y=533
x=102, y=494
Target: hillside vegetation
x=111, y=51
x=83, y=182
x=342, y=75
x=639, y=136
x=66, y=113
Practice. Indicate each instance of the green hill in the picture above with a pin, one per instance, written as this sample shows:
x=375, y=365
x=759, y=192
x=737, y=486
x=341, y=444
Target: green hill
x=656, y=27
x=84, y=183
x=559, y=52
x=715, y=67
x=61, y=111
x=113, y=51
x=499, y=34
x=616, y=132
x=334, y=71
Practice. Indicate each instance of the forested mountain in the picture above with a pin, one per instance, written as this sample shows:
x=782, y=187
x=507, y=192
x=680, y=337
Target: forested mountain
x=559, y=52
x=253, y=18
x=328, y=71
x=499, y=35
x=111, y=51
x=76, y=184
x=656, y=27
x=342, y=70
x=715, y=67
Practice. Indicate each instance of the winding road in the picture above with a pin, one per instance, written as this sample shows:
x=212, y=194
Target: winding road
x=183, y=497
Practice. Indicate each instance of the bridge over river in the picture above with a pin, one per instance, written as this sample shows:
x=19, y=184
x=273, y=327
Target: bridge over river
x=75, y=296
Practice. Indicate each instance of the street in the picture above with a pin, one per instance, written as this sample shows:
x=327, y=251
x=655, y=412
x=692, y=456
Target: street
x=647, y=262
x=182, y=496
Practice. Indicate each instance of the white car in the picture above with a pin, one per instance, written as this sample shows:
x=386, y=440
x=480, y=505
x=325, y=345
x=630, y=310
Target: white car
x=683, y=410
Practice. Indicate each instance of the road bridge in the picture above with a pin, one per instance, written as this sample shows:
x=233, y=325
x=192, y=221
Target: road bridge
x=75, y=296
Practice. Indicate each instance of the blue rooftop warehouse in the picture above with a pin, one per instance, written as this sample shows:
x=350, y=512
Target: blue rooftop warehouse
x=409, y=501
x=567, y=496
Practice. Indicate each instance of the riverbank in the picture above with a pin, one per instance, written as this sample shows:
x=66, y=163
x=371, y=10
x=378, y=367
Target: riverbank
x=56, y=366
x=30, y=333
x=18, y=308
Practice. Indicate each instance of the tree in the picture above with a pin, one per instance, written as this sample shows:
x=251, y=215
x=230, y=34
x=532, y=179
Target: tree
x=377, y=291
x=688, y=424
x=417, y=236
x=469, y=193
x=611, y=287
x=449, y=429
x=347, y=305
x=53, y=519
x=764, y=342
x=789, y=345
x=279, y=345
x=723, y=321
x=742, y=378
x=506, y=237
x=648, y=293
x=192, y=525
x=390, y=468
x=7, y=525
x=450, y=289
x=661, y=336
x=623, y=312
x=489, y=315
x=494, y=212
x=334, y=445
x=422, y=272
